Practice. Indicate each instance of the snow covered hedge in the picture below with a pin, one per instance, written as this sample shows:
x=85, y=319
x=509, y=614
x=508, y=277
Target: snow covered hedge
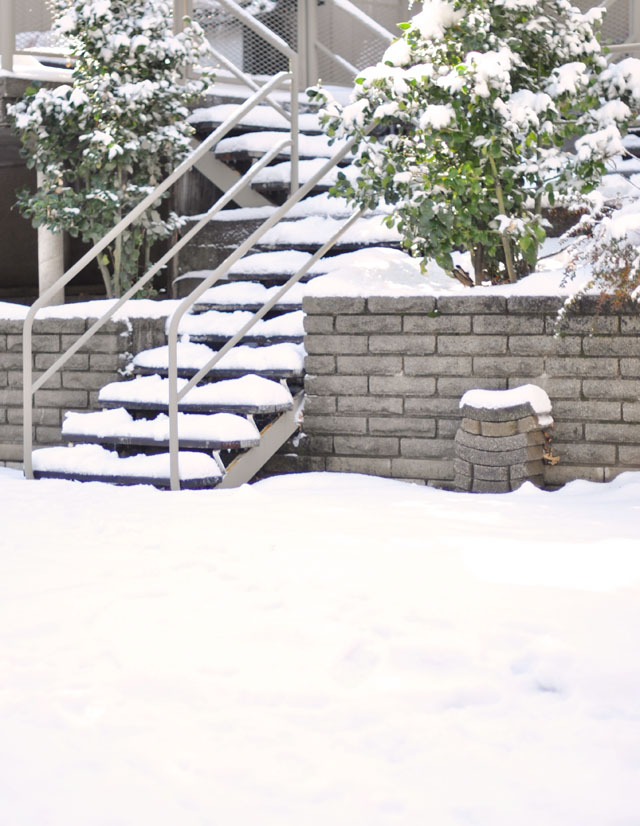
x=102, y=143
x=471, y=112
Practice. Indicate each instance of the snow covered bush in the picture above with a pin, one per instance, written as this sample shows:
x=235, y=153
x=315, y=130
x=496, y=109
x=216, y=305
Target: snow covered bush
x=102, y=143
x=466, y=123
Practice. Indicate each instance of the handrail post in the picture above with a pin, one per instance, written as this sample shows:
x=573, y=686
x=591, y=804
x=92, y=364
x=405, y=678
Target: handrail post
x=295, y=128
x=7, y=34
x=179, y=11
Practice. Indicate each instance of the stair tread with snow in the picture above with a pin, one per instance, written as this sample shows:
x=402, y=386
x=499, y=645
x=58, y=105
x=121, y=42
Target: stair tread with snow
x=248, y=296
x=206, y=119
x=249, y=394
x=273, y=361
x=251, y=145
x=215, y=431
x=217, y=326
x=94, y=463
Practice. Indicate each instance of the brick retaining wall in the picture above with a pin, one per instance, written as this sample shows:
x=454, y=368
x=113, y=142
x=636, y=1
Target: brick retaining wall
x=385, y=375
x=76, y=386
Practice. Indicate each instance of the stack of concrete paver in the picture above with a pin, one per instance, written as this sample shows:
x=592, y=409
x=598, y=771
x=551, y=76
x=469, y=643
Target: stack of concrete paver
x=500, y=443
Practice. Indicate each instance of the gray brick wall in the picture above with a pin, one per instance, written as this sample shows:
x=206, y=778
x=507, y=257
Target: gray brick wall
x=385, y=375
x=76, y=386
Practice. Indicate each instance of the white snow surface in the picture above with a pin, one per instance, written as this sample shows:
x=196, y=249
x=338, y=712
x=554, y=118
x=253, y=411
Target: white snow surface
x=136, y=308
x=119, y=422
x=262, y=142
x=264, y=117
x=223, y=323
x=94, y=460
x=319, y=649
x=155, y=390
x=241, y=357
x=501, y=399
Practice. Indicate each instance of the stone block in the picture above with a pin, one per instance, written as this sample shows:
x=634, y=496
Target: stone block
x=618, y=433
x=462, y=467
x=474, y=426
x=604, y=411
x=103, y=362
x=534, y=305
x=336, y=385
x=585, y=453
x=586, y=325
x=498, y=414
x=370, y=365
x=568, y=431
x=10, y=397
x=335, y=424
x=56, y=326
x=499, y=458
x=414, y=448
x=402, y=385
x=320, y=365
x=320, y=405
x=358, y=464
x=472, y=304
x=463, y=482
x=437, y=324
x=447, y=428
x=486, y=486
x=369, y=324
x=561, y=474
x=630, y=411
x=15, y=379
x=629, y=325
x=48, y=436
x=500, y=429
x=99, y=343
x=545, y=345
x=490, y=474
x=432, y=406
x=366, y=445
x=630, y=368
x=421, y=305
x=345, y=344
x=526, y=470
x=508, y=325
x=629, y=455
x=403, y=343
x=506, y=366
x=402, y=426
x=332, y=306
x=10, y=433
x=370, y=404
x=10, y=452
x=623, y=389
x=500, y=444
x=428, y=469
x=61, y=398
x=456, y=386
x=86, y=381
x=437, y=365
x=39, y=343
x=472, y=345
x=618, y=346
x=588, y=366
x=78, y=361
x=557, y=388
x=320, y=324
x=41, y=415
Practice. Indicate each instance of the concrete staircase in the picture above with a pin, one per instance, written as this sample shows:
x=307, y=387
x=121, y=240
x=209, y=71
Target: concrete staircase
x=250, y=404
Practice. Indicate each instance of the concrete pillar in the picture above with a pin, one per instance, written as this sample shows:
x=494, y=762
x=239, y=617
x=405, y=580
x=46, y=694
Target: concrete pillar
x=7, y=34
x=50, y=260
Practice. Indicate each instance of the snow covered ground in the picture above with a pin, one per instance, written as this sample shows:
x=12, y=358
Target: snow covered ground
x=319, y=650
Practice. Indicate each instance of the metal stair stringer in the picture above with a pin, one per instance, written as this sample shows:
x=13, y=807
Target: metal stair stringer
x=224, y=177
x=245, y=466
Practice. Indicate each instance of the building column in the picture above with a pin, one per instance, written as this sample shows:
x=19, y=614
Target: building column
x=50, y=261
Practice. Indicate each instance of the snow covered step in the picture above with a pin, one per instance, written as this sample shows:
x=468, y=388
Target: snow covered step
x=278, y=176
x=250, y=295
x=255, y=144
x=215, y=431
x=260, y=117
x=93, y=463
x=249, y=394
x=274, y=361
x=216, y=326
x=308, y=234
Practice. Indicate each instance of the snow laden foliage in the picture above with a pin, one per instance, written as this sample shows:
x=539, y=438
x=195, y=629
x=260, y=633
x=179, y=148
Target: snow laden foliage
x=464, y=125
x=102, y=143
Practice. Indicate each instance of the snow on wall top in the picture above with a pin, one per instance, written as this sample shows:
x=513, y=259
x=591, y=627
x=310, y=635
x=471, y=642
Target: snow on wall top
x=501, y=399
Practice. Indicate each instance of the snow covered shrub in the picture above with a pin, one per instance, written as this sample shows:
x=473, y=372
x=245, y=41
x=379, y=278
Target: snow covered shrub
x=102, y=143
x=472, y=111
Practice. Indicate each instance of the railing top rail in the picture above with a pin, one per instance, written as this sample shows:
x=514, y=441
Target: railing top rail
x=369, y=22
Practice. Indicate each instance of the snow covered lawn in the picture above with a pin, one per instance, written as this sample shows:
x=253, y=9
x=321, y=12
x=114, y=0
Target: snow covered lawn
x=320, y=650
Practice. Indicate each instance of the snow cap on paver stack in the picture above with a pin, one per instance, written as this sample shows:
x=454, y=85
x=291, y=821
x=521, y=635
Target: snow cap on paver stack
x=500, y=443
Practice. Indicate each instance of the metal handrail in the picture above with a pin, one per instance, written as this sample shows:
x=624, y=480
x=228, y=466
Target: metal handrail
x=176, y=395
x=30, y=387
x=369, y=22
